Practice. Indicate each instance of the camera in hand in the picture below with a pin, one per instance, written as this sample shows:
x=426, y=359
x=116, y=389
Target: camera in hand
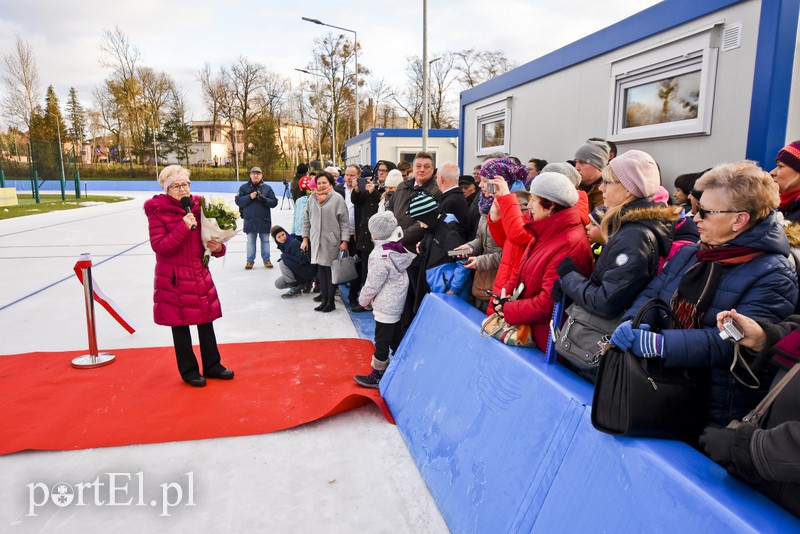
x=731, y=330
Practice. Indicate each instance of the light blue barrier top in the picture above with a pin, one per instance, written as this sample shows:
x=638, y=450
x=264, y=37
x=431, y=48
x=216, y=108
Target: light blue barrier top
x=92, y=186
x=505, y=443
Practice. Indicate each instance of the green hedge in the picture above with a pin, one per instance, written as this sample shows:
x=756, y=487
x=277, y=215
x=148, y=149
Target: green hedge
x=14, y=171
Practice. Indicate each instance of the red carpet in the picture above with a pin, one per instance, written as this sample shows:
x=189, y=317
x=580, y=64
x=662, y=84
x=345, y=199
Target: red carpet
x=140, y=398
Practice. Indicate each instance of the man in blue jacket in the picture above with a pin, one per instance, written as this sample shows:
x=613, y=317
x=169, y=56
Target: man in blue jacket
x=255, y=199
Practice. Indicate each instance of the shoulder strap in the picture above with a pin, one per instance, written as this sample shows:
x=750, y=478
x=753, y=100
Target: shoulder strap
x=754, y=417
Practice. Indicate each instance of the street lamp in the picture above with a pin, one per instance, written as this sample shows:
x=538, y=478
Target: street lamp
x=333, y=116
x=355, y=50
x=424, y=75
x=426, y=103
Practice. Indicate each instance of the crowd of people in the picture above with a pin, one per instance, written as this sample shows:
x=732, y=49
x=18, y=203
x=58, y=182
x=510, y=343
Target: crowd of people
x=600, y=232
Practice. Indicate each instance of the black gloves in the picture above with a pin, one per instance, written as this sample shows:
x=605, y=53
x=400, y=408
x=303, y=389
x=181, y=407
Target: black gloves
x=717, y=444
x=558, y=292
x=567, y=266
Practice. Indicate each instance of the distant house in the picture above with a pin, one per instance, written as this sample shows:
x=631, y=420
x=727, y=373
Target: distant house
x=294, y=140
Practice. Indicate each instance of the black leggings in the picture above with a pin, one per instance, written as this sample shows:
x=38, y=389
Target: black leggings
x=209, y=353
x=326, y=286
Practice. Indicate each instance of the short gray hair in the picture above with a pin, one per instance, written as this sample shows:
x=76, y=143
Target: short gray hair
x=449, y=171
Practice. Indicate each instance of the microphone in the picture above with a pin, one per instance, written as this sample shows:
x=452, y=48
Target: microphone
x=186, y=202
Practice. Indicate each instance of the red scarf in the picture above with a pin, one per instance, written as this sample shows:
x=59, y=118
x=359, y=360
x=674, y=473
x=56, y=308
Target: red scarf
x=788, y=199
x=698, y=285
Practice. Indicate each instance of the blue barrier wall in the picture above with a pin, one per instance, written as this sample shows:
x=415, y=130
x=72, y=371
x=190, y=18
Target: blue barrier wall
x=505, y=443
x=93, y=186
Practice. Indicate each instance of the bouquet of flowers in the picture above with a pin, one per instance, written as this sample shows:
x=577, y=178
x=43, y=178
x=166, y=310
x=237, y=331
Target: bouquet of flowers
x=218, y=222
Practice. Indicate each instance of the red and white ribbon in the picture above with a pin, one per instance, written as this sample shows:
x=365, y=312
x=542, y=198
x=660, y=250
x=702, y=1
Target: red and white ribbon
x=111, y=307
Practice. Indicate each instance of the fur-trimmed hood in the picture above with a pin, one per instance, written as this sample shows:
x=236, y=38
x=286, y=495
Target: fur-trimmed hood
x=792, y=233
x=657, y=217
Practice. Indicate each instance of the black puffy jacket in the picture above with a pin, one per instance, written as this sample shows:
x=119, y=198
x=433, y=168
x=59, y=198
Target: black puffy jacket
x=628, y=262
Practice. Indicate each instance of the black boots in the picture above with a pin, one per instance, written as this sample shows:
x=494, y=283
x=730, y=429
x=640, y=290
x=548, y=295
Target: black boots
x=371, y=380
x=327, y=305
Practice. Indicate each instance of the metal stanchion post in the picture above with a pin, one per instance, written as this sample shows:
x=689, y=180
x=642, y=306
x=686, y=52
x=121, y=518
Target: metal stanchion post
x=93, y=359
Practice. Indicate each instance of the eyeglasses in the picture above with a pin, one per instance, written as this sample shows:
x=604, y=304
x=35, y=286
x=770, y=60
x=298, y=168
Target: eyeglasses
x=383, y=169
x=178, y=187
x=702, y=212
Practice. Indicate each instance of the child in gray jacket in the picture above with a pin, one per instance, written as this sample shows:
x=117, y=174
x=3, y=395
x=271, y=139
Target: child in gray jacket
x=385, y=290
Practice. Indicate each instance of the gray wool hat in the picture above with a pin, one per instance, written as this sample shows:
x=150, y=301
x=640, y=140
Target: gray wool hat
x=566, y=169
x=555, y=187
x=256, y=169
x=382, y=224
x=595, y=153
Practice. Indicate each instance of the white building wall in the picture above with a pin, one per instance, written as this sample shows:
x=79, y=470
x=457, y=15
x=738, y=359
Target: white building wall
x=554, y=115
x=393, y=148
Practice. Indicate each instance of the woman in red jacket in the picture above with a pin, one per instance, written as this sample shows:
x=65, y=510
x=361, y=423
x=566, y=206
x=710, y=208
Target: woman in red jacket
x=184, y=291
x=556, y=232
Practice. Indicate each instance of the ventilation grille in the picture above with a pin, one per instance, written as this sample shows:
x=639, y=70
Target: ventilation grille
x=732, y=36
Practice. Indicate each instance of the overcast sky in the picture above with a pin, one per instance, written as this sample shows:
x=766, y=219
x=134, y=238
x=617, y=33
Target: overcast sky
x=180, y=36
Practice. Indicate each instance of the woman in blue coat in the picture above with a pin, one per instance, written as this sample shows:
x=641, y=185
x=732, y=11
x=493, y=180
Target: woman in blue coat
x=740, y=262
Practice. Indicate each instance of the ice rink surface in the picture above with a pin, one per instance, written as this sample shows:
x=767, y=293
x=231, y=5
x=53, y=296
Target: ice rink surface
x=348, y=473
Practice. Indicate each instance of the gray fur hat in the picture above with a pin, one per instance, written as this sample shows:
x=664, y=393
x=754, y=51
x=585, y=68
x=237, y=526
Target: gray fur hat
x=566, y=169
x=555, y=187
x=595, y=153
x=382, y=224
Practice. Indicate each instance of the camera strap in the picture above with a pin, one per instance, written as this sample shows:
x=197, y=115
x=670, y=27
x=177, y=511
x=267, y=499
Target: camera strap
x=737, y=357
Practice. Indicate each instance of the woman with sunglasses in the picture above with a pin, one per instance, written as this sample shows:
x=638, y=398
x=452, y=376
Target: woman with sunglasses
x=184, y=291
x=637, y=232
x=740, y=262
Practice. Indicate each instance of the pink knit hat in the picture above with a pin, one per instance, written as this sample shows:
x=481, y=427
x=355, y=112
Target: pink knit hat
x=638, y=172
x=661, y=196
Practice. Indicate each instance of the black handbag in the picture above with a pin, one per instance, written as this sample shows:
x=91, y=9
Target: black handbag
x=642, y=397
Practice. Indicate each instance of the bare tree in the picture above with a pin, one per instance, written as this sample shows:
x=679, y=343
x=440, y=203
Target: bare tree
x=214, y=92
x=334, y=62
x=477, y=66
x=22, y=84
x=451, y=73
x=381, y=94
x=245, y=80
x=158, y=93
x=123, y=85
x=442, y=90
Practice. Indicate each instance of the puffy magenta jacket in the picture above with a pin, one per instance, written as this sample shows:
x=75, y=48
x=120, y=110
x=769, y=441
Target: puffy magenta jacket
x=184, y=292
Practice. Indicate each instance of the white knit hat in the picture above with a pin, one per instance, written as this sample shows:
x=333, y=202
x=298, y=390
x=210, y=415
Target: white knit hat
x=382, y=224
x=566, y=169
x=555, y=187
x=394, y=178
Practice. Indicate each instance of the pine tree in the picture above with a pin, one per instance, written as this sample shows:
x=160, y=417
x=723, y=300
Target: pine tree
x=263, y=150
x=77, y=119
x=177, y=130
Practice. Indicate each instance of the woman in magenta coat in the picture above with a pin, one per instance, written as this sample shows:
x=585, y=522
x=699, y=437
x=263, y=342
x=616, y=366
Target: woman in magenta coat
x=556, y=232
x=184, y=291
